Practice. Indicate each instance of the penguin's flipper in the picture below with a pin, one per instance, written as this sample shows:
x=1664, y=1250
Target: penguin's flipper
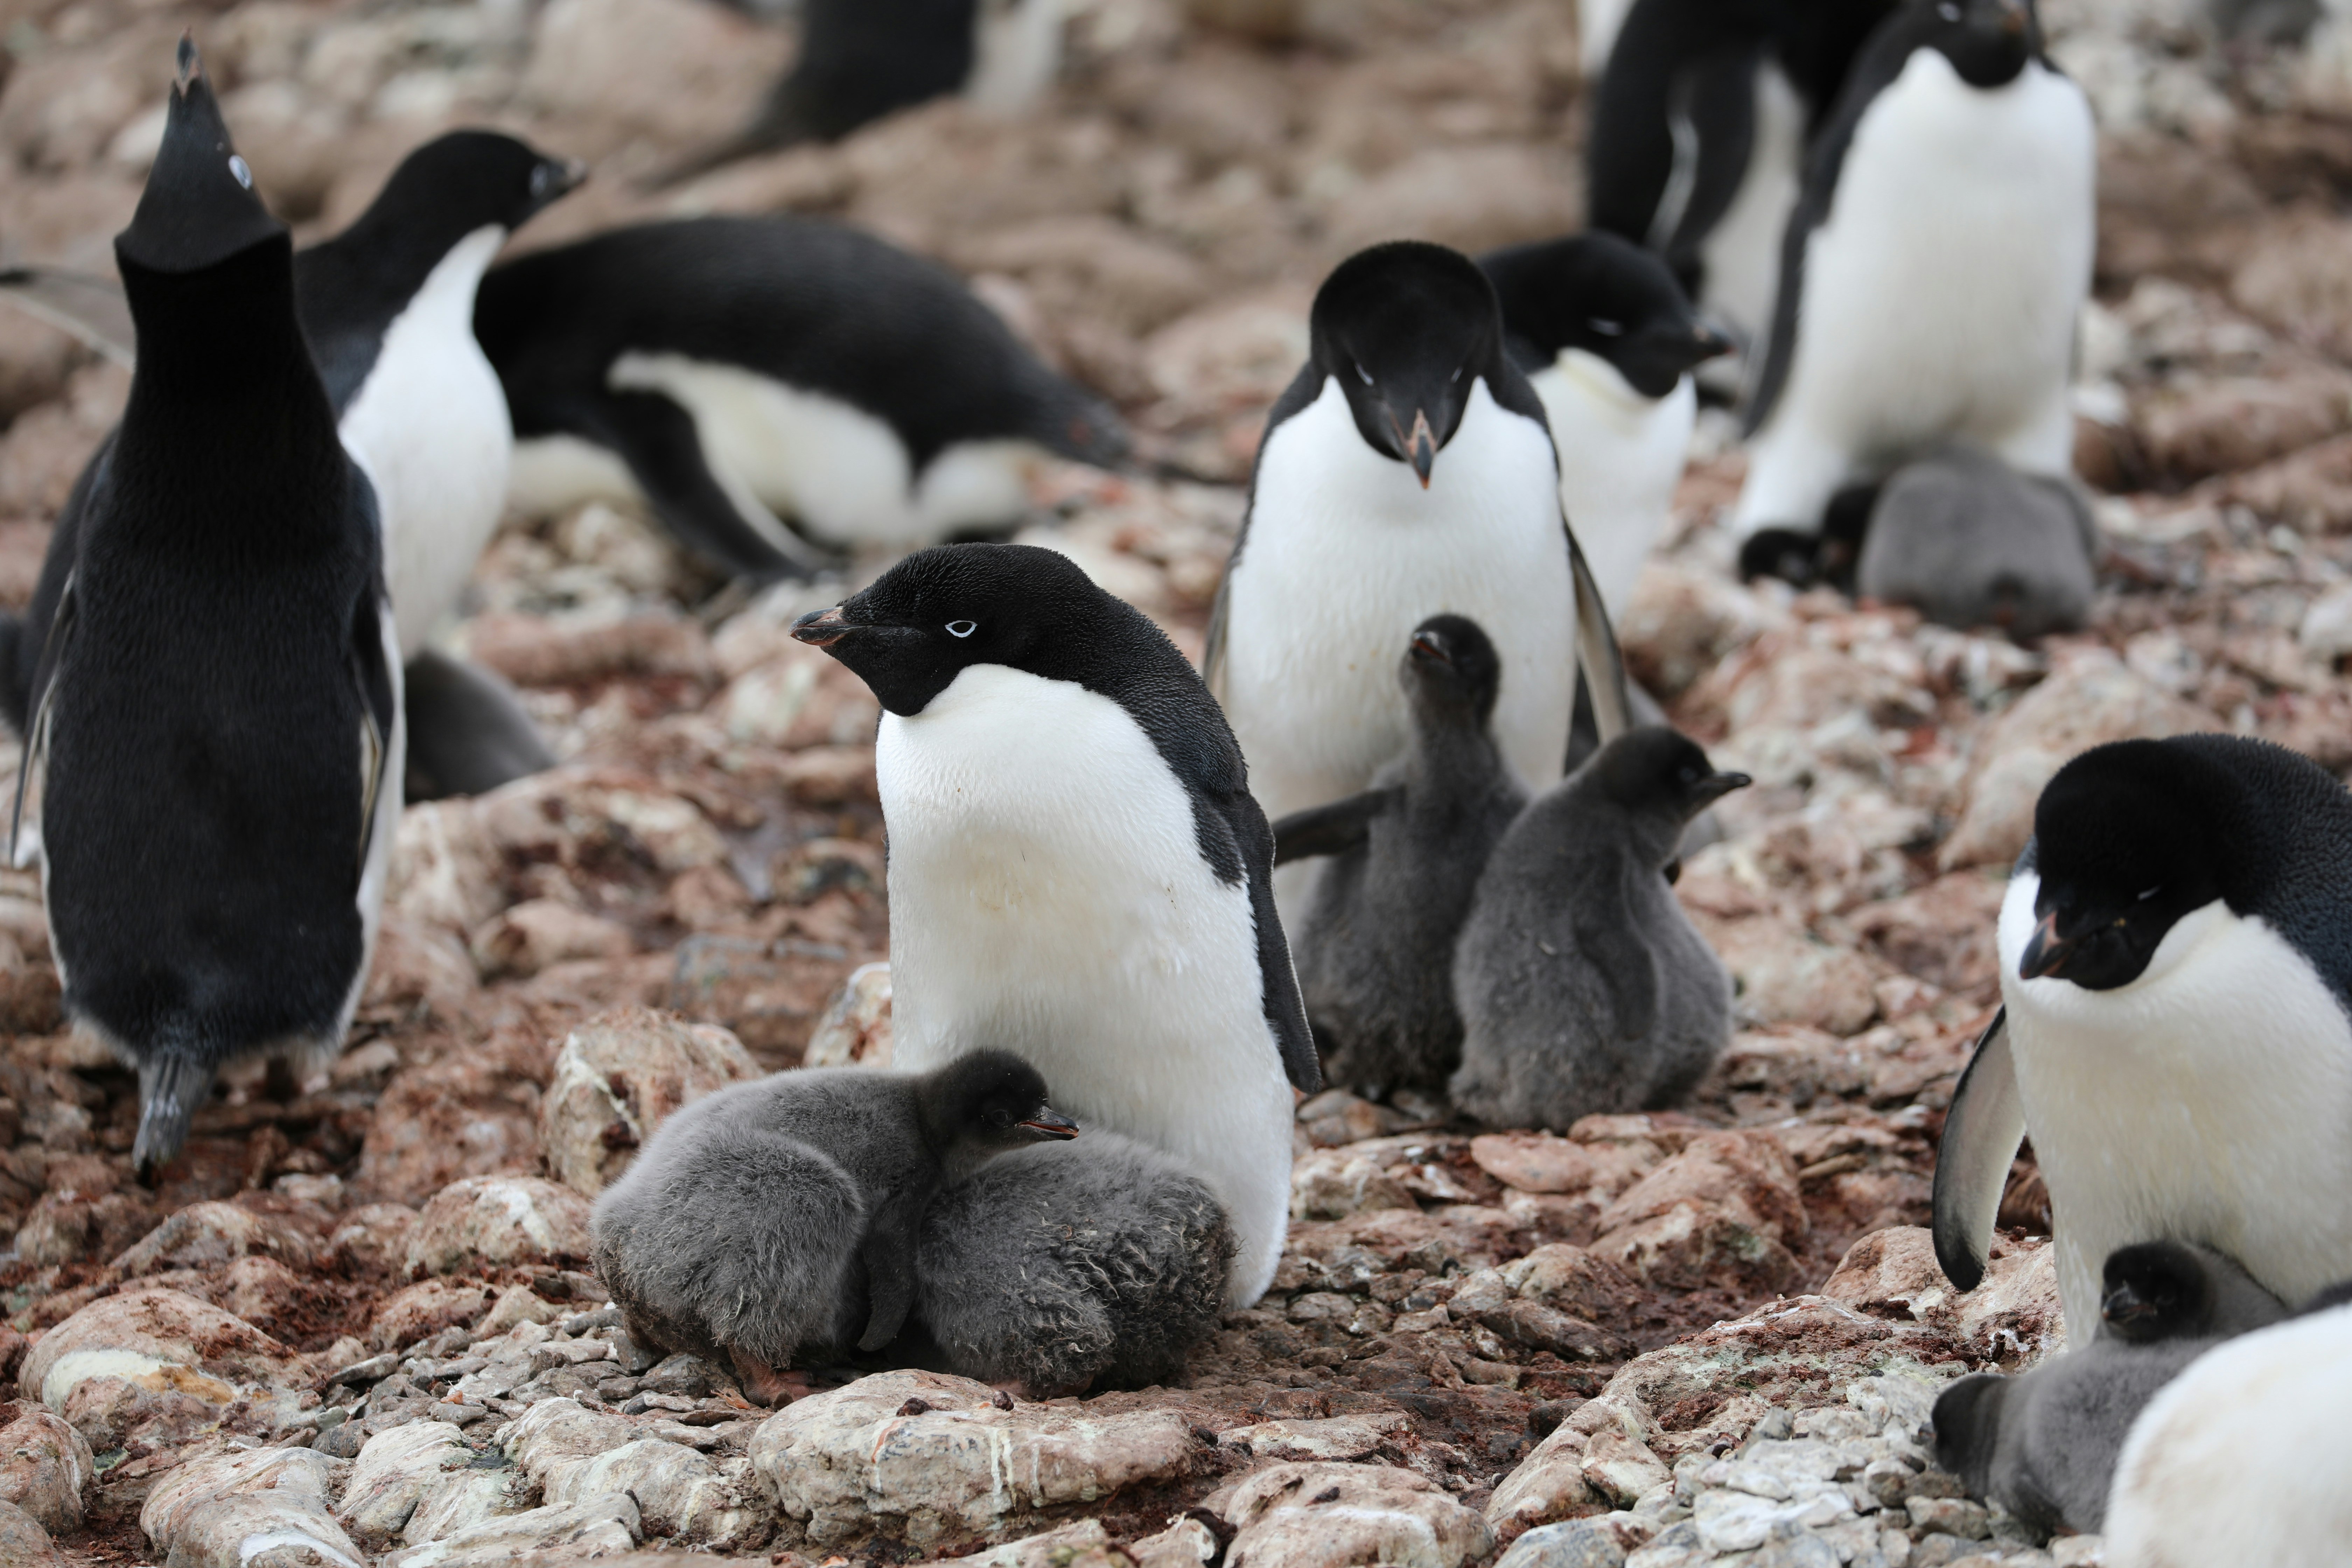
x=91, y=308
x=466, y=732
x=370, y=663
x=1213, y=656
x=1603, y=661
x=1982, y=1132
x=1332, y=830
x=1608, y=937
x=888, y=1254
x=659, y=440
x=36, y=728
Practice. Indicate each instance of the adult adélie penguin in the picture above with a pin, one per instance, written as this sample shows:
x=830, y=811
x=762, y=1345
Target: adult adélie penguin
x=1077, y=865
x=2176, y=953
x=215, y=730
x=1407, y=471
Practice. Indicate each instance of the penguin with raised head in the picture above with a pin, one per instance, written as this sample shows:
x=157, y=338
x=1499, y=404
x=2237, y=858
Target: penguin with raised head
x=1077, y=863
x=1099, y=1265
x=213, y=718
x=777, y=388
x=1908, y=314
x=1609, y=340
x=1583, y=986
x=1406, y=473
x=1375, y=949
x=776, y=1220
x=2176, y=957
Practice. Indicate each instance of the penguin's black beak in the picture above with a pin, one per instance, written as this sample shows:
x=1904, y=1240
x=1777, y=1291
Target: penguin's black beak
x=1428, y=645
x=2125, y=1308
x=1051, y=1123
x=822, y=628
x=2046, y=952
x=554, y=178
x=1709, y=342
x=1421, y=446
x=1715, y=785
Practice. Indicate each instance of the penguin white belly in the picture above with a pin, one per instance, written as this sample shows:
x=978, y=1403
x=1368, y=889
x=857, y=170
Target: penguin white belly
x=1047, y=896
x=551, y=474
x=1016, y=51
x=1598, y=23
x=1621, y=456
x=844, y=475
x=2208, y=1100
x=1742, y=252
x=1346, y=554
x=1940, y=293
x=430, y=425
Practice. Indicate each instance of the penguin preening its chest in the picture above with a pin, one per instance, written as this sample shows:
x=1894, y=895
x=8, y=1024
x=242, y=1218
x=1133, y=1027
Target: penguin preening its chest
x=1406, y=473
x=1932, y=272
x=214, y=711
x=737, y=372
x=2176, y=951
x=1077, y=866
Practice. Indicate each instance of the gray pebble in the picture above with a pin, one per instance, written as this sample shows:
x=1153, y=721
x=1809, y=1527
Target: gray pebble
x=1575, y=1544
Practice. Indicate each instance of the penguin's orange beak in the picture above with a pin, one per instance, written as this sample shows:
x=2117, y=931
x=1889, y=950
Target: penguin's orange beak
x=822, y=628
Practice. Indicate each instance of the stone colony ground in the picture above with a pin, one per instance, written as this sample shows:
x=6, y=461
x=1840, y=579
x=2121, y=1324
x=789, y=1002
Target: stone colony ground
x=357, y=1322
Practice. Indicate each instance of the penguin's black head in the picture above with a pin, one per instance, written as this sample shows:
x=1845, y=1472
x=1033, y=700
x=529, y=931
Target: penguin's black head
x=1651, y=769
x=2154, y=1290
x=198, y=209
x=942, y=610
x=1988, y=41
x=1451, y=671
x=1967, y=1428
x=2128, y=838
x=1407, y=328
x=988, y=1102
x=466, y=181
x=1607, y=296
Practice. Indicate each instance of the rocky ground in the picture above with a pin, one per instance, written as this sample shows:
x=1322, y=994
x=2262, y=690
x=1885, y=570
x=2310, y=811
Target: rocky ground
x=355, y=1318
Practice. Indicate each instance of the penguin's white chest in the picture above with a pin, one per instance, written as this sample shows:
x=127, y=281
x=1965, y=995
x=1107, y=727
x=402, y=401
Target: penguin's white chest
x=1621, y=456
x=2208, y=1100
x=1048, y=895
x=1016, y=47
x=430, y=426
x=1346, y=553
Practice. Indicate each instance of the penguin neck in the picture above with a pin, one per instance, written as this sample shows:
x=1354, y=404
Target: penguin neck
x=1453, y=753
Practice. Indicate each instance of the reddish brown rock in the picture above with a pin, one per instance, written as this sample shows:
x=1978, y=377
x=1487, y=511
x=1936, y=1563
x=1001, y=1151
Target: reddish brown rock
x=424, y=1309
x=163, y=1341
x=620, y=1075
x=540, y=933
x=207, y=1235
x=46, y=1467
x=1722, y=1210
x=485, y=1221
x=855, y=1028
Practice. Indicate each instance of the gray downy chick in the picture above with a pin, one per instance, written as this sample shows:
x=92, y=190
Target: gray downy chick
x=776, y=1220
x=2044, y=1444
x=1375, y=952
x=1060, y=1268
x=1583, y=986
x=1973, y=542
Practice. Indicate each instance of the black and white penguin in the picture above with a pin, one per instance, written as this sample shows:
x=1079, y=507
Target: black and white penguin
x=1608, y=339
x=740, y=372
x=1375, y=949
x=2176, y=953
x=861, y=59
x=1103, y=1263
x=1903, y=323
x=774, y=1221
x=214, y=699
x=1406, y=473
x=1077, y=863
x=1583, y=986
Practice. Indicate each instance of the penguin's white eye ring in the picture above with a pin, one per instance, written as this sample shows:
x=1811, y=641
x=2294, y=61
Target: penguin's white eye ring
x=1362, y=374
x=2151, y=892
x=1605, y=327
x=962, y=629
x=243, y=171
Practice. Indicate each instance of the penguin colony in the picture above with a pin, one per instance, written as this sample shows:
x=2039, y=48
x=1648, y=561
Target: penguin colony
x=1088, y=921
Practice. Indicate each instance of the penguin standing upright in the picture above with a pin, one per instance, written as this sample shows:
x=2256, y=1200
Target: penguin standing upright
x=1406, y=473
x=1077, y=865
x=2176, y=956
x=216, y=717
x=1931, y=275
x=1608, y=339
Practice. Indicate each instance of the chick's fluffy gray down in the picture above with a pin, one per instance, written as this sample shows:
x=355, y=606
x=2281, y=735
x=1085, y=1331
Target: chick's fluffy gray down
x=1067, y=1265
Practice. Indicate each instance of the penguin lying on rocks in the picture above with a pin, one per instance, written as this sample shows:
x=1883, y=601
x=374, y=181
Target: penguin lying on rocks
x=1064, y=1268
x=776, y=1220
x=1582, y=985
x=2044, y=1444
x=1375, y=952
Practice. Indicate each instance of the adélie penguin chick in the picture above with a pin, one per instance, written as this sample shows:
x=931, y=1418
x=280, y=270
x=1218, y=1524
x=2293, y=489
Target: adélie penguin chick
x=1075, y=862
x=2177, y=1029
x=1063, y=1269
x=1582, y=985
x=1375, y=951
x=1405, y=472
x=776, y=1220
x=216, y=722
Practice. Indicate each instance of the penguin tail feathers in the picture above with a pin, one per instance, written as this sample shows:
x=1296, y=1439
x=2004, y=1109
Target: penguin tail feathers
x=171, y=1087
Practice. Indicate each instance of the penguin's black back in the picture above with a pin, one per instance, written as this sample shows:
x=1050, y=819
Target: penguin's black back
x=860, y=59
x=813, y=305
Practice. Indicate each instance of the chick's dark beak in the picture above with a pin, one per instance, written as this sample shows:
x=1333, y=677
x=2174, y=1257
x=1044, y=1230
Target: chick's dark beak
x=1711, y=343
x=1429, y=645
x=822, y=628
x=1051, y=1123
x=1715, y=785
x=1421, y=446
x=2046, y=951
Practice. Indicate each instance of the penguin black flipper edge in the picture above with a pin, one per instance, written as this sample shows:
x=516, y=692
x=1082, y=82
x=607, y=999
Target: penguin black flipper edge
x=374, y=653
x=657, y=438
x=1332, y=830
x=1596, y=650
x=37, y=727
x=1286, y=1008
x=1981, y=1134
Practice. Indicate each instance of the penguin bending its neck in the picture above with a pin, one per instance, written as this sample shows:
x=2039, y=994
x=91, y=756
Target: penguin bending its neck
x=1953, y=100
x=2176, y=1028
x=1376, y=949
x=1077, y=863
x=1582, y=985
x=773, y=1221
x=215, y=719
x=1406, y=473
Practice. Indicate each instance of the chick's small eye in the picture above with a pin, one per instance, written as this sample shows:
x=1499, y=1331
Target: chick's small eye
x=962, y=629
x=1000, y=1119
x=1606, y=327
